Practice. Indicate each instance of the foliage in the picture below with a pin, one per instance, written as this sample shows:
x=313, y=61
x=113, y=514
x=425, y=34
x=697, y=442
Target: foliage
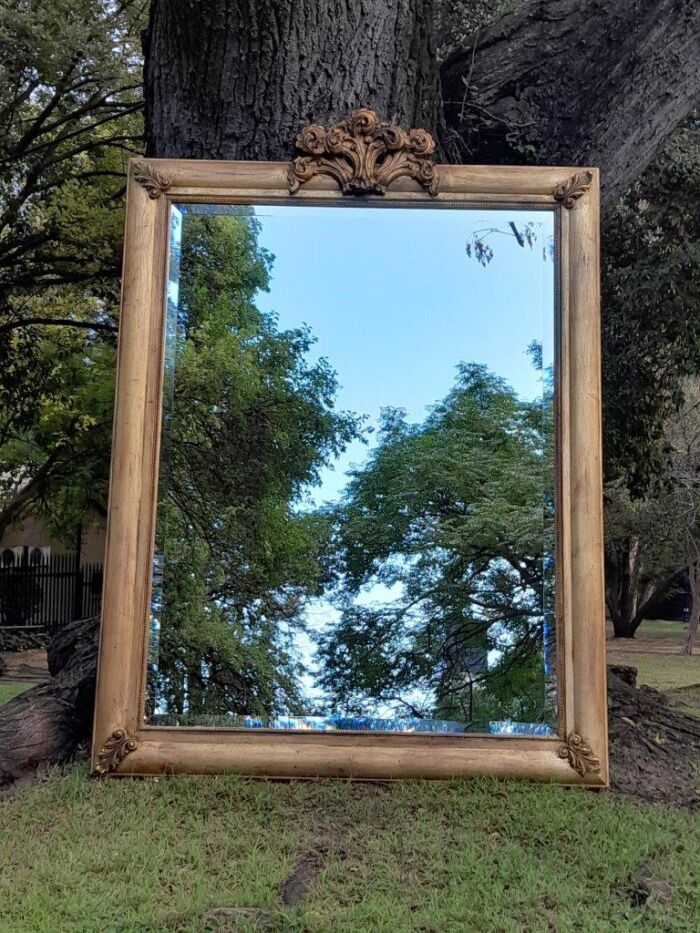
x=248, y=428
x=69, y=113
x=69, y=90
x=448, y=515
x=457, y=23
x=55, y=440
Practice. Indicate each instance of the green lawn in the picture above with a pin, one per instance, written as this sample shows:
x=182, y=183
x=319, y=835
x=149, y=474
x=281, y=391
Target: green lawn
x=142, y=855
x=197, y=854
x=9, y=690
x=655, y=652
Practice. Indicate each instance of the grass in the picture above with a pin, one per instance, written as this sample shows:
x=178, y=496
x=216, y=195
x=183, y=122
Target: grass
x=655, y=652
x=10, y=690
x=165, y=854
x=83, y=855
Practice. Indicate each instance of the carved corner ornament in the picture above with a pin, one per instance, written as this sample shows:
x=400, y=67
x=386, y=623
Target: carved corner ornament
x=151, y=179
x=114, y=751
x=579, y=754
x=569, y=191
x=364, y=155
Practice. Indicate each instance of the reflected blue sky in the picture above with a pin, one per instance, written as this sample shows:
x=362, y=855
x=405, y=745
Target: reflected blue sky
x=396, y=303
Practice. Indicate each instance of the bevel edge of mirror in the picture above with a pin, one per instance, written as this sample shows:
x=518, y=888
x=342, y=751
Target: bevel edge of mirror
x=391, y=200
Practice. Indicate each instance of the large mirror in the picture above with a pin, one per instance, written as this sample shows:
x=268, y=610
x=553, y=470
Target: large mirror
x=355, y=524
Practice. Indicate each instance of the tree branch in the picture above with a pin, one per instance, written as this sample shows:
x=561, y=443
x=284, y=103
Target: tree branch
x=57, y=322
x=597, y=82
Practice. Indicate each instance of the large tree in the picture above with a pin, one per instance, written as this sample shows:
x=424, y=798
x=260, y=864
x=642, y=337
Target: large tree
x=249, y=421
x=455, y=517
x=599, y=81
x=70, y=114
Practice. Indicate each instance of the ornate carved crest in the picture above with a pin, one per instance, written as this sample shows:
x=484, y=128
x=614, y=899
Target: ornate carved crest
x=364, y=155
x=569, y=191
x=114, y=751
x=579, y=755
x=151, y=179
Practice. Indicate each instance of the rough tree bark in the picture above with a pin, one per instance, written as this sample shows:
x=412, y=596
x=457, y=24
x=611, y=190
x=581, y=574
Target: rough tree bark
x=601, y=82
x=235, y=79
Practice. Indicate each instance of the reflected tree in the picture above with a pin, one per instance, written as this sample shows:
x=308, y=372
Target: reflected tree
x=249, y=423
x=455, y=517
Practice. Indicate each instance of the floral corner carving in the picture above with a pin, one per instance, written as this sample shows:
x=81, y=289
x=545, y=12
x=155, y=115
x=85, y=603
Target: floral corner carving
x=364, y=155
x=569, y=191
x=579, y=754
x=114, y=751
x=151, y=179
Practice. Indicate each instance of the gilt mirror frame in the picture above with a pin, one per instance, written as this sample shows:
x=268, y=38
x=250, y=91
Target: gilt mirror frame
x=395, y=169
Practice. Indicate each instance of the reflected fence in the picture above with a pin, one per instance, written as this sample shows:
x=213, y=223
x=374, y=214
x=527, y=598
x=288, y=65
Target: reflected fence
x=38, y=599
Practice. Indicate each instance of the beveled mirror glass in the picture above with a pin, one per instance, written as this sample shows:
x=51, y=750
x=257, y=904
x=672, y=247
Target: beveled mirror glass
x=355, y=516
x=355, y=523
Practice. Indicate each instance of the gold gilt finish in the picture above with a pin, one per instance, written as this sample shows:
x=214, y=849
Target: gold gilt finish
x=579, y=754
x=114, y=751
x=364, y=155
x=133, y=747
x=151, y=179
x=573, y=188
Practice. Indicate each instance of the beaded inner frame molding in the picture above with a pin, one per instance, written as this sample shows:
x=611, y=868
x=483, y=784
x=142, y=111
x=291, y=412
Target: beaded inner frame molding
x=361, y=157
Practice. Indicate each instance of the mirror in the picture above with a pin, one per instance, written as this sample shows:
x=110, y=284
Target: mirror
x=355, y=512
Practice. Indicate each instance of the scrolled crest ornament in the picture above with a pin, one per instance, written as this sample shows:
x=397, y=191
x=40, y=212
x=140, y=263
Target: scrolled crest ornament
x=154, y=181
x=364, y=155
x=579, y=754
x=569, y=191
x=114, y=751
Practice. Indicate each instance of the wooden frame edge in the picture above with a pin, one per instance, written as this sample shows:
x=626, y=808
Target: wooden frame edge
x=121, y=746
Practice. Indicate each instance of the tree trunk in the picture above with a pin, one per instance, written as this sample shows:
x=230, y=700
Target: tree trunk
x=598, y=82
x=694, y=620
x=631, y=597
x=49, y=723
x=227, y=79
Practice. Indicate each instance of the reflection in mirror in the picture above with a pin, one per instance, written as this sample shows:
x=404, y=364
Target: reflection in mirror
x=355, y=518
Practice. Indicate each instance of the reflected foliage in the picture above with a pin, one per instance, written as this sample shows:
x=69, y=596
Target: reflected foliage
x=248, y=426
x=449, y=515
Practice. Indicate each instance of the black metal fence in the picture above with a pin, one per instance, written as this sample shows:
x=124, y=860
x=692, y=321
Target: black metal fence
x=40, y=598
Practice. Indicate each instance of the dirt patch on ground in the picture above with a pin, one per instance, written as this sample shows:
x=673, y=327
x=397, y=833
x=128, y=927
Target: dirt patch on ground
x=294, y=888
x=654, y=748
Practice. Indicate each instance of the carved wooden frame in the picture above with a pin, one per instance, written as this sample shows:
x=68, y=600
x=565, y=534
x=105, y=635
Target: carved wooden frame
x=122, y=744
